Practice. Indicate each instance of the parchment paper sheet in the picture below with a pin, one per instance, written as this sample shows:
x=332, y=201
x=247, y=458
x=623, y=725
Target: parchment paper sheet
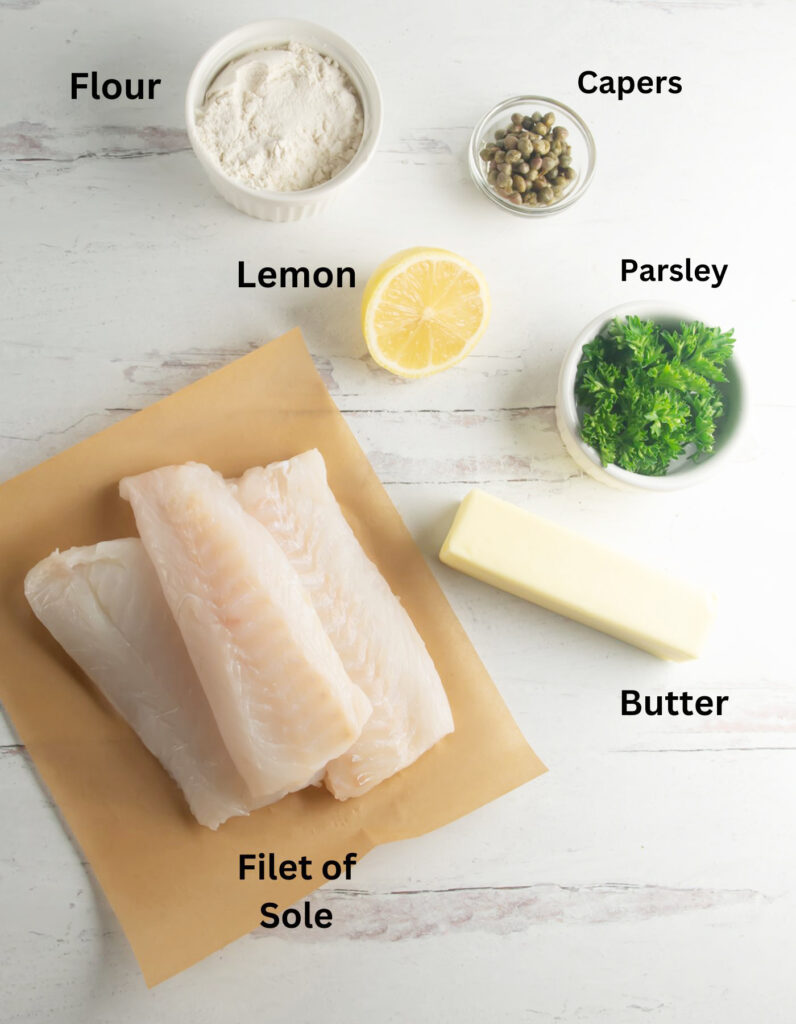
x=173, y=884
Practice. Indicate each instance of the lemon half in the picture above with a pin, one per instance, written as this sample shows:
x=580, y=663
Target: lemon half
x=424, y=310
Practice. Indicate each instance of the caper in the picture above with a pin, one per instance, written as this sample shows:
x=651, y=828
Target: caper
x=529, y=162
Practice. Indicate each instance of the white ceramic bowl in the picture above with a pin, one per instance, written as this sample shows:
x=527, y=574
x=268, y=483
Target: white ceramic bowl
x=283, y=206
x=682, y=473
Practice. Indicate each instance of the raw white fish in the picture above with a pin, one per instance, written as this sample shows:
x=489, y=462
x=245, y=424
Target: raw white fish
x=280, y=695
x=371, y=631
x=104, y=606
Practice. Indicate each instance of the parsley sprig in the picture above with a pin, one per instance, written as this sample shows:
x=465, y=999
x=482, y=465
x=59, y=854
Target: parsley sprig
x=647, y=396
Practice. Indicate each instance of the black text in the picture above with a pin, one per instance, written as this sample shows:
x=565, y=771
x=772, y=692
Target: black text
x=686, y=271
x=293, y=917
x=671, y=704
x=623, y=85
x=295, y=277
x=113, y=88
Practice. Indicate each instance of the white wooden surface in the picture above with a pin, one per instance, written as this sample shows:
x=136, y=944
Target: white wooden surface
x=650, y=876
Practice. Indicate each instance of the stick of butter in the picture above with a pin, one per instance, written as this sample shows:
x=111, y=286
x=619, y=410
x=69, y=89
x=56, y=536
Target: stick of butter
x=498, y=543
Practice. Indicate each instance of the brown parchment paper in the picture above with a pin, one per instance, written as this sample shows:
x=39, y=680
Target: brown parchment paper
x=173, y=884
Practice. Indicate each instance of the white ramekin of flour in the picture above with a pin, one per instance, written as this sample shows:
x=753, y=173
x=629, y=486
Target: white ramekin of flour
x=273, y=178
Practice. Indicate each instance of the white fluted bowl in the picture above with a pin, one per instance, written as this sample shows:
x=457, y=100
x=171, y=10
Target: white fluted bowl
x=263, y=203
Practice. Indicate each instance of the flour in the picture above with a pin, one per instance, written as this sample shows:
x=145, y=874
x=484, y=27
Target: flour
x=282, y=119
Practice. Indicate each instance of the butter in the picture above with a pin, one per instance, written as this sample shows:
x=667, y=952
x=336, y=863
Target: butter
x=554, y=567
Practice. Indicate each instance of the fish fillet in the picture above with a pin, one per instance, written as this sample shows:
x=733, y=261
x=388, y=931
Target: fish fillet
x=280, y=695
x=374, y=636
x=104, y=606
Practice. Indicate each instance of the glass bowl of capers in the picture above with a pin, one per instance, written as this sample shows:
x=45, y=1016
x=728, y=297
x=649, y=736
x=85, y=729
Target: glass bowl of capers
x=532, y=156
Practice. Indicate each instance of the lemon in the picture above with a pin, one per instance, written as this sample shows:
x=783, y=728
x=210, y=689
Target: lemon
x=424, y=310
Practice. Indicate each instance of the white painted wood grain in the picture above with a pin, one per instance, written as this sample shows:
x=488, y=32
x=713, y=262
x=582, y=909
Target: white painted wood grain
x=650, y=875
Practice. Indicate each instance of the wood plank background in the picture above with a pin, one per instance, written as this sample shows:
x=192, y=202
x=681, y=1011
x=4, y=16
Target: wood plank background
x=650, y=875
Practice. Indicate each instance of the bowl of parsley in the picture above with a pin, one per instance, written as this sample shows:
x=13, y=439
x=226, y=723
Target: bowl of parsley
x=650, y=398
